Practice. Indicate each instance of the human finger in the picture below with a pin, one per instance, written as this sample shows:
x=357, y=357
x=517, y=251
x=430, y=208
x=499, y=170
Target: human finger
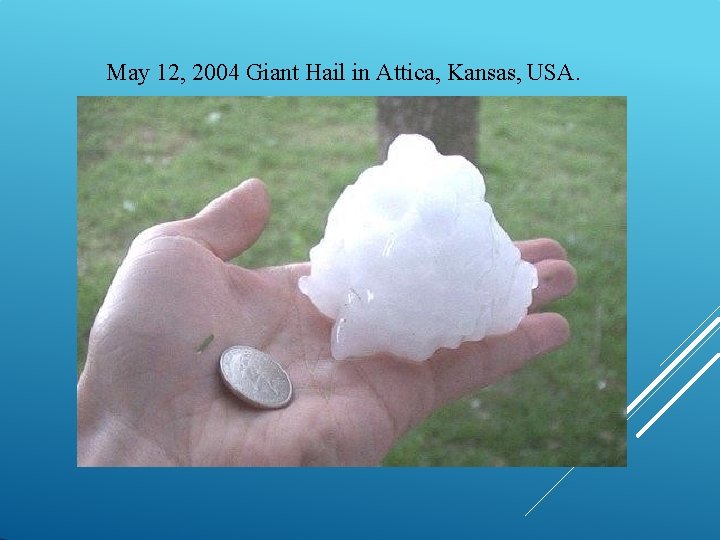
x=233, y=222
x=475, y=365
x=539, y=249
x=555, y=279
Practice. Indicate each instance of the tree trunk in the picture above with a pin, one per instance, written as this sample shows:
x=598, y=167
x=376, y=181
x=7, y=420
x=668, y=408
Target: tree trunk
x=450, y=122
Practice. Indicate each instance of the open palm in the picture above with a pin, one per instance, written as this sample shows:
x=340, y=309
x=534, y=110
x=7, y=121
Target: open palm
x=150, y=393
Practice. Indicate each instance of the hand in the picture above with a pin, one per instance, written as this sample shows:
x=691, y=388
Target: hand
x=147, y=396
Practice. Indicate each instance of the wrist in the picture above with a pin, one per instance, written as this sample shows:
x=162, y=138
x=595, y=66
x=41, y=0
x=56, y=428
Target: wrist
x=104, y=440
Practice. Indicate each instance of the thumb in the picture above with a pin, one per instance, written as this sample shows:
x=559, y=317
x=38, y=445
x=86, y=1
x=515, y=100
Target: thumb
x=233, y=222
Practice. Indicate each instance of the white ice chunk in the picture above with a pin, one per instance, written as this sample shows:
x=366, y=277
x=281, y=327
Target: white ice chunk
x=413, y=259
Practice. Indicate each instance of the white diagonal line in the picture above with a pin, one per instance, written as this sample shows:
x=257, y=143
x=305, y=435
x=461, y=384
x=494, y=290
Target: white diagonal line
x=674, y=363
x=673, y=373
x=548, y=493
x=690, y=335
x=678, y=395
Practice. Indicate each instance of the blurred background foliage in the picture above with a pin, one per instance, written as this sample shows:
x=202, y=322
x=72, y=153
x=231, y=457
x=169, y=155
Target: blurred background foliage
x=553, y=167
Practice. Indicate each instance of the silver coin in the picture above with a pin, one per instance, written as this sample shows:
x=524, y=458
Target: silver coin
x=255, y=377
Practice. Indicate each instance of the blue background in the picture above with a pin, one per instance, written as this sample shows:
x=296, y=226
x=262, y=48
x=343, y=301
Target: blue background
x=663, y=56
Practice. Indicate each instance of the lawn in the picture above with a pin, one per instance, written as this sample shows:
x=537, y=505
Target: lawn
x=553, y=167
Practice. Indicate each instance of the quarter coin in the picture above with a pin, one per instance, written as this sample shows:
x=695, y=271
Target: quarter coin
x=254, y=377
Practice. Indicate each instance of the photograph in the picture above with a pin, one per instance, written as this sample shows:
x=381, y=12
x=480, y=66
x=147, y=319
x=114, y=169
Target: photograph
x=436, y=273
x=351, y=281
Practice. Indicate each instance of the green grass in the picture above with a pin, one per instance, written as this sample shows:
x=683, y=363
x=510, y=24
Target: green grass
x=553, y=167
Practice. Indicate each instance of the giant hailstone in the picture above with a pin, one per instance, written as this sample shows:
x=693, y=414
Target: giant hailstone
x=413, y=259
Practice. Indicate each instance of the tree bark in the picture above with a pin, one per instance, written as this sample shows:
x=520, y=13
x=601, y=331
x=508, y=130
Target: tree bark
x=450, y=122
